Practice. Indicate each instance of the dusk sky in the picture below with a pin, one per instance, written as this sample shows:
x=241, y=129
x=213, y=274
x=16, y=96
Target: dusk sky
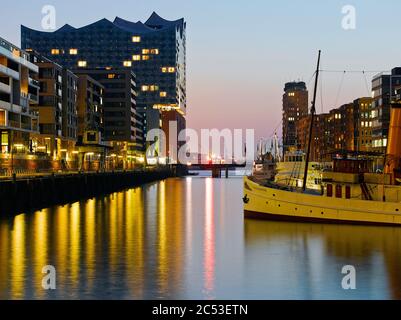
x=240, y=53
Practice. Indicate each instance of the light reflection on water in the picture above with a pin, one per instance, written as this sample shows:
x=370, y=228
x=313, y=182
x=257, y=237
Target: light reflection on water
x=187, y=239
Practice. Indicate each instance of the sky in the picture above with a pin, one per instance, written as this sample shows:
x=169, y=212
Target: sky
x=241, y=53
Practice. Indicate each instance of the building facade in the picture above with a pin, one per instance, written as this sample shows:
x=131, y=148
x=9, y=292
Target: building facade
x=18, y=91
x=344, y=129
x=382, y=92
x=295, y=107
x=90, y=109
x=363, y=124
x=122, y=124
x=320, y=136
x=155, y=50
x=57, y=109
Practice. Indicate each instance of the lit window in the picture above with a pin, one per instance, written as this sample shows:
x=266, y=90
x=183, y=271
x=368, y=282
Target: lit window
x=171, y=69
x=82, y=64
x=145, y=51
x=136, y=57
x=163, y=94
x=73, y=51
x=55, y=51
x=136, y=39
x=164, y=69
x=154, y=88
x=145, y=88
x=145, y=58
x=127, y=63
x=291, y=94
x=111, y=76
x=154, y=51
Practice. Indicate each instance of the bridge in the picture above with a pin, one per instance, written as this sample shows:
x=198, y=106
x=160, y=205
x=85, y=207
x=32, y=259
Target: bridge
x=216, y=168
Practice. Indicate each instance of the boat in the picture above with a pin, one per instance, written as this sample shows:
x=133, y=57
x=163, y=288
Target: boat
x=350, y=193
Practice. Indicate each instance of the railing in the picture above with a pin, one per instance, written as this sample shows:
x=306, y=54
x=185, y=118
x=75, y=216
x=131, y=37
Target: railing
x=14, y=124
x=33, y=97
x=26, y=126
x=34, y=82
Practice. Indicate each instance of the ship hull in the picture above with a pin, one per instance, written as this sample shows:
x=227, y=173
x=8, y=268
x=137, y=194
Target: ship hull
x=262, y=202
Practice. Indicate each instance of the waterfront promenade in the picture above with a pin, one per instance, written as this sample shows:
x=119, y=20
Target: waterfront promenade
x=29, y=192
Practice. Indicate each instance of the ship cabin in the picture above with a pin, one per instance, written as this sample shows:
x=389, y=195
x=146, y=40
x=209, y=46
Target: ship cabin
x=353, y=178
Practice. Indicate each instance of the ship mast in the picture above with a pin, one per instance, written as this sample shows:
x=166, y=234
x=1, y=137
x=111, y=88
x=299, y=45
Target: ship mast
x=313, y=111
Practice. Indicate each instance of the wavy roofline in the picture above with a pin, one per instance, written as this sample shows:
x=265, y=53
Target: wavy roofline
x=153, y=24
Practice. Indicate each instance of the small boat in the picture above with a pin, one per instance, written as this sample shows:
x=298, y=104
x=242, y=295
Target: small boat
x=351, y=193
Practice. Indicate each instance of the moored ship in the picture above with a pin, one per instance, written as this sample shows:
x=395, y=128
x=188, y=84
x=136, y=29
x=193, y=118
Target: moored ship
x=350, y=193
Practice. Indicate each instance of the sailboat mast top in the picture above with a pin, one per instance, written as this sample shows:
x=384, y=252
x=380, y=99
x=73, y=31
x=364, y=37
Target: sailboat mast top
x=313, y=111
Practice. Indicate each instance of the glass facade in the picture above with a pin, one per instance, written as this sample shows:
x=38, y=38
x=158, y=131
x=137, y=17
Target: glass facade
x=155, y=50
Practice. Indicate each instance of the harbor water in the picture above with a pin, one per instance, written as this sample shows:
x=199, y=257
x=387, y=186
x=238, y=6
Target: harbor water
x=186, y=238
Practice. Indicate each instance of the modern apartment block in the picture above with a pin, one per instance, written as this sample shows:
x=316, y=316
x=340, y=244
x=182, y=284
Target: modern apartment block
x=295, y=107
x=342, y=130
x=90, y=110
x=18, y=90
x=123, y=126
x=57, y=109
x=363, y=124
x=383, y=91
x=320, y=144
x=155, y=50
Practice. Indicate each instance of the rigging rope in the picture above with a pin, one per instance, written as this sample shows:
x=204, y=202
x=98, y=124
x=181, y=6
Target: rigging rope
x=366, y=83
x=340, y=88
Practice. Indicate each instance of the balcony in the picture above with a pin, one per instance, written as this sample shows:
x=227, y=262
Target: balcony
x=5, y=88
x=9, y=72
x=34, y=82
x=14, y=124
x=26, y=126
x=33, y=98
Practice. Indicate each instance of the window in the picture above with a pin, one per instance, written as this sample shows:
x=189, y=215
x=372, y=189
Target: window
x=136, y=39
x=154, y=51
x=55, y=51
x=136, y=57
x=168, y=69
x=145, y=58
x=82, y=64
x=73, y=51
x=163, y=94
x=111, y=76
x=154, y=88
x=127, y=63
x=145, y=88
x=339, y=191
x=348, y=192
x=145, y=51
x=291, y=94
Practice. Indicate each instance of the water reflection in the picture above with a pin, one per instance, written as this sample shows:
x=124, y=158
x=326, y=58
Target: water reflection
x=186, y=239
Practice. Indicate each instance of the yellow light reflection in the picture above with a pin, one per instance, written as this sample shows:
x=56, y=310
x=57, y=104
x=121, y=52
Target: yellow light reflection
x=40, y=242
x=134, y=237
x=18, y=267
x=75, y=243
x=90, y=225
x=4, y=255
x=61, y=231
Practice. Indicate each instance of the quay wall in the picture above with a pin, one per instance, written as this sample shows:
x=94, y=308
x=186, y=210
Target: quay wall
x=29, y=194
